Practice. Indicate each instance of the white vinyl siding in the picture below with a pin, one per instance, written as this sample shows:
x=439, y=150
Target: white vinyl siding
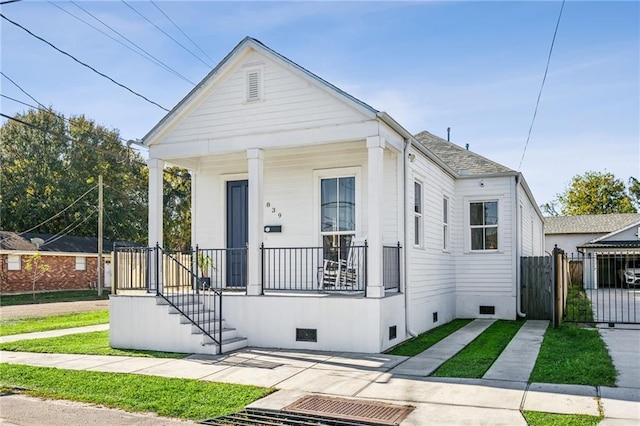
x=431, y=273
x=14, y=262
x=288, y=102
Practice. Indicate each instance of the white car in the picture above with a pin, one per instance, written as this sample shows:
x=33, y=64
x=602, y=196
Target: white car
x=630, y=275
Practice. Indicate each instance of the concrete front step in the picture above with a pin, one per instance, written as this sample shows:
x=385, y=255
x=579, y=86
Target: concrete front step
x=193, y=309
x=227, y=346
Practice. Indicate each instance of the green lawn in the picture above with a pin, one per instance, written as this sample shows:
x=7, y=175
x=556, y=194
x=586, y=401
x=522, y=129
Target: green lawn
x=536, y=418
x=170, y=397
x=427, y=339
x=94, y=343
x=52, y=296
x=52, y=322
x=476, y=358
x=574, y=355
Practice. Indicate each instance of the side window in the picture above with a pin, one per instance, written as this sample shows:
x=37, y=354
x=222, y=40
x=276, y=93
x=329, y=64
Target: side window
x=13, y=262
x=483, y=221
x=81, y=263
x=445, y=223
x=417, y=214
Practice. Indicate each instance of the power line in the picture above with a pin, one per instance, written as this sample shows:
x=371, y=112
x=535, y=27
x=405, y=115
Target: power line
x=149, y=57
x=61, y=211
x=112, y=154
x=165, y=33
x=67, y=231
x=21, y=89
x=8, y=1
x=180, y=29
x=544, y=78
x=84, y=64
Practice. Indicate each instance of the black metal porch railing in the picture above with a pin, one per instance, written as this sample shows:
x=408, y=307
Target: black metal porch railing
x=391, y=267
x=221, y=268
x=131, y=268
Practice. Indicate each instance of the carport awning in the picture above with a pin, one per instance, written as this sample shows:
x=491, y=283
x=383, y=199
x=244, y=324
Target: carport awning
x=634, y=244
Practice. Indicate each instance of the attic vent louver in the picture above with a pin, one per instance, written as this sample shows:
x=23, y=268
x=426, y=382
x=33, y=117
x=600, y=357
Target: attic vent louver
x=253, y=85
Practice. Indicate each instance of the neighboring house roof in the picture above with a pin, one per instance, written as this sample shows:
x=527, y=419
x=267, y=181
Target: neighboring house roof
x=66, y=244
x=589, y=224
x=460, y=160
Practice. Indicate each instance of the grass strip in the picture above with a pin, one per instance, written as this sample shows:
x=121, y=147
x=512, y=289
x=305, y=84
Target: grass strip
x=476, y=358
x=536, y=418
x=52, y=322
x=170, y=397
x=93, y=343
x=574, y=355
x=429, y=338
x=51, y=297
x=578, y=305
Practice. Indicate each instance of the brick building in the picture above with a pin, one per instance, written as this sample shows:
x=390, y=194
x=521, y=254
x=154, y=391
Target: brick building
x=72, y=262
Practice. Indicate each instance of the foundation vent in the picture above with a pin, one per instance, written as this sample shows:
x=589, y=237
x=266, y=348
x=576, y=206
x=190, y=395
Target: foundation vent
x=487, y=310
x=306, y=334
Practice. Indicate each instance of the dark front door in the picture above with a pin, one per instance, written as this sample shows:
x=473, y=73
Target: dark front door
x=237, y=232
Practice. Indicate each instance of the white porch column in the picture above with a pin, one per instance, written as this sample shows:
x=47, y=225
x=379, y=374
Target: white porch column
x=156, y=167
x=375, y=183
x=255, y=158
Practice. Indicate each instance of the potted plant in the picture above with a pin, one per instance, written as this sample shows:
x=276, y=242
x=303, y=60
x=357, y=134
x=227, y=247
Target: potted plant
x=205, y=262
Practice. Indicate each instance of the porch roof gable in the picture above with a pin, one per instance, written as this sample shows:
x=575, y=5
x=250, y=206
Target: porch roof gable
x=237, y=52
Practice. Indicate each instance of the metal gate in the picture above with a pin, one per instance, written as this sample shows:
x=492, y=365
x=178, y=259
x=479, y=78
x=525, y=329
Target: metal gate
x=603, y=288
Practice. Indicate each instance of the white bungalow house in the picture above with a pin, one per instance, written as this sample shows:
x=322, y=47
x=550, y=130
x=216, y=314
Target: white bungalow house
x=320, y=221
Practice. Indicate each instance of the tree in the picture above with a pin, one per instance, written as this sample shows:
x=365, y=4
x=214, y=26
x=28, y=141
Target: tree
x=48, y=162
x=38, y=268
x=595, y=193
x=634, y=191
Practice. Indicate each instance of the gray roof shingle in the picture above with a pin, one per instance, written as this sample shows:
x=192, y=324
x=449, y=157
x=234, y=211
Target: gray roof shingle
x=589, y=224
x=66, y=244
x=460, y=160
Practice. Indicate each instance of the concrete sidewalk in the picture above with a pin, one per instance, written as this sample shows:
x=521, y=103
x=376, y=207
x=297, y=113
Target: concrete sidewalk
x=374, y=377
x=53, y=333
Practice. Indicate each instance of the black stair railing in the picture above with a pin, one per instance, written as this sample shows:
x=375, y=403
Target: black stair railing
x=181, y=288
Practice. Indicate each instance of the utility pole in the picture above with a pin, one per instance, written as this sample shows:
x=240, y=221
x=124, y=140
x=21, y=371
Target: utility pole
x=100, y=209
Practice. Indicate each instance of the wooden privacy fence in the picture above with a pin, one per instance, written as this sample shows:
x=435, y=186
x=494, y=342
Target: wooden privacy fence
x=536, y=287
x=544, y=284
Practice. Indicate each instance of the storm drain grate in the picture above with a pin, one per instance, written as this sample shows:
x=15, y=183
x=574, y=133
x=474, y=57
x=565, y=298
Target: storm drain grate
x=349, y=409
x=264, y=417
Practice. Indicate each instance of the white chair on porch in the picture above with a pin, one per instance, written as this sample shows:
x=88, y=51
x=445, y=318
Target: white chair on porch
x=343, y=274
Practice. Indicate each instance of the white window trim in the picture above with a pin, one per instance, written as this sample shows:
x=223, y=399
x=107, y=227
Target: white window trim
x=14, y=260
x=81, y=266
x=318, y=175
x=469, y=227
x=446, y=239
x=420, y=215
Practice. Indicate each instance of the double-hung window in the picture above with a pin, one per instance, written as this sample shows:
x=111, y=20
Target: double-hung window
x=337, y=215
x=417, y=213
x=445, y=223
x=483, y=220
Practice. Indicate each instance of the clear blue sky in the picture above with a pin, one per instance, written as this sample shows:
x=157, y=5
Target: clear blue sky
x=473, y=66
